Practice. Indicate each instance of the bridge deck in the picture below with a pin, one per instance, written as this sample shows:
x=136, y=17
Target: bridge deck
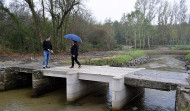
x=94, y=73
x=162, y=80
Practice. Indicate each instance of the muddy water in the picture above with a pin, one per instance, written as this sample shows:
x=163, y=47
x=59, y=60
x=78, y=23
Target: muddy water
x=155, y=100
x=151, y=100
x=165, y=63
x=20, y=100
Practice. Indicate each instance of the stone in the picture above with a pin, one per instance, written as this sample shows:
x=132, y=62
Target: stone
x=182, y=99
x=188, y=67
x=134, y=108
x=138, y=61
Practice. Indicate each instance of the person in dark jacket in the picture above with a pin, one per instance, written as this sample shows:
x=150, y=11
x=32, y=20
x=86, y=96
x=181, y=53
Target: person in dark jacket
x=74, y=54
x=47, y=50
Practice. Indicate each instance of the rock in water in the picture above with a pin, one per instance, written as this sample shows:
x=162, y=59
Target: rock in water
x=134, y=108
x=188, y=67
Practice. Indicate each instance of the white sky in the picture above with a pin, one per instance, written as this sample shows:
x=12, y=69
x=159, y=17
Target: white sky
x=113, y=9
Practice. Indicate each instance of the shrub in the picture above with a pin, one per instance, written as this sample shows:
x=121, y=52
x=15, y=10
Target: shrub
x=137, y=54
x=116, y=60
x=180, y=48
x=187, y=57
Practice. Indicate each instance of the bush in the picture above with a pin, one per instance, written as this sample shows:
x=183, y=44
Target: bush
x=180, y=48
x=187, y=57
x=85, y=47
x=137, y=54
x=116, y=60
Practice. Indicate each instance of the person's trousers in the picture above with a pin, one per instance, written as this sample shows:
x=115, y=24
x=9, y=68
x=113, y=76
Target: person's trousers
x=75, y=59
x=46, y=58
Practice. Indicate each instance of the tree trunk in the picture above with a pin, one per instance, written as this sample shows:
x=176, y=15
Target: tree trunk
x=35, y=19
x=140, y=43
x=61, y=38
x=135, y=39
x=143, y=41
x=53, y=21
x=148, y=42
x=148, y=39
x=44, y=19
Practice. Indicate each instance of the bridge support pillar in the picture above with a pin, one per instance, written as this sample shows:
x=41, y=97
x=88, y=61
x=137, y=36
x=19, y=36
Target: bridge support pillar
x=77, y=88
x=123, y=94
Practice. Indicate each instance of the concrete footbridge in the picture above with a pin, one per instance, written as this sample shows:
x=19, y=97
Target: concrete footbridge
x=126, y=83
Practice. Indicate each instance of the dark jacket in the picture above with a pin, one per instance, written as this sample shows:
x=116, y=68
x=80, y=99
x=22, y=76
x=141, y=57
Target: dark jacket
x=74, y=49
x=47, y=45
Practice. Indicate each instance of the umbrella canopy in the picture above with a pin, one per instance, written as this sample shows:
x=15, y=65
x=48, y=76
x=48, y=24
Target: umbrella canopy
x=73, y=37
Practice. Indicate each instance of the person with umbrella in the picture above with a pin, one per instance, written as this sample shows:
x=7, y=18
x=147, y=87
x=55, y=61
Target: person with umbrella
x=74, y=49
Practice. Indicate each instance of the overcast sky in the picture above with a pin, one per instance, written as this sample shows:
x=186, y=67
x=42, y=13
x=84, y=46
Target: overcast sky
x=113, y=9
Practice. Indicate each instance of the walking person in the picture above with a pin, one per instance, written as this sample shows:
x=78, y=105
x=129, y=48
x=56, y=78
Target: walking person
x=47, y=50
x=74, y=54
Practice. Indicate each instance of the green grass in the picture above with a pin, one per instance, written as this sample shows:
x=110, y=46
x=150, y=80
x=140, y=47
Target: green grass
x=116, y=60
x=146, y=48
x=180, y=48
x=187, y=57
x=137, y=54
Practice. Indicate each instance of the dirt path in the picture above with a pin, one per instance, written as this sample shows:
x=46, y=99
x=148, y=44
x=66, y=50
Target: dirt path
x=55, y=59
x=162, y=48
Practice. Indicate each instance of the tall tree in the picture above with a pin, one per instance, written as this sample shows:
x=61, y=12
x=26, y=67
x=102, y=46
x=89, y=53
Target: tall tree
x=59, y=10
x=135, y=19
x=35, y=19
x=13, y=16
x=43, y=12
x=183, y=11
x=149, y=8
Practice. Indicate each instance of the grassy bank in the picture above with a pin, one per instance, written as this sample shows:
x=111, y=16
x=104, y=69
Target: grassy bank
x=187, y=57
x=180, y=48
x=116, y=60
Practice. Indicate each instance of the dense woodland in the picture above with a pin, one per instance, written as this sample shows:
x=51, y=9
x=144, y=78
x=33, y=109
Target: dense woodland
x=24, y=24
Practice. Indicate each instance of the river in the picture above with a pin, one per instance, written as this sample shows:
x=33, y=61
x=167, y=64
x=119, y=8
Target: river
x=151, y=100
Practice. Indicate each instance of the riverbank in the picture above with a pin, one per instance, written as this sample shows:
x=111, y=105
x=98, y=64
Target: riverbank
x=112, y=58
x=55, y=59
x=121, y=59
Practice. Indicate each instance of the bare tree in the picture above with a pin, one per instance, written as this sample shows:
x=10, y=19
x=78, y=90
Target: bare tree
x=183, y=11
x=59, y=10
x=149, y=8
x=43, y=10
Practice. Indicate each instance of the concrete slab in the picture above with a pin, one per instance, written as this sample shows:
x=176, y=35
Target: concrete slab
x=162, y=80
x=78, y=86
x=90, y=70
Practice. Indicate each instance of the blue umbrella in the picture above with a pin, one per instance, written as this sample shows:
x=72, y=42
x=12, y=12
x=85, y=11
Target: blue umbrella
x=73, y=37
